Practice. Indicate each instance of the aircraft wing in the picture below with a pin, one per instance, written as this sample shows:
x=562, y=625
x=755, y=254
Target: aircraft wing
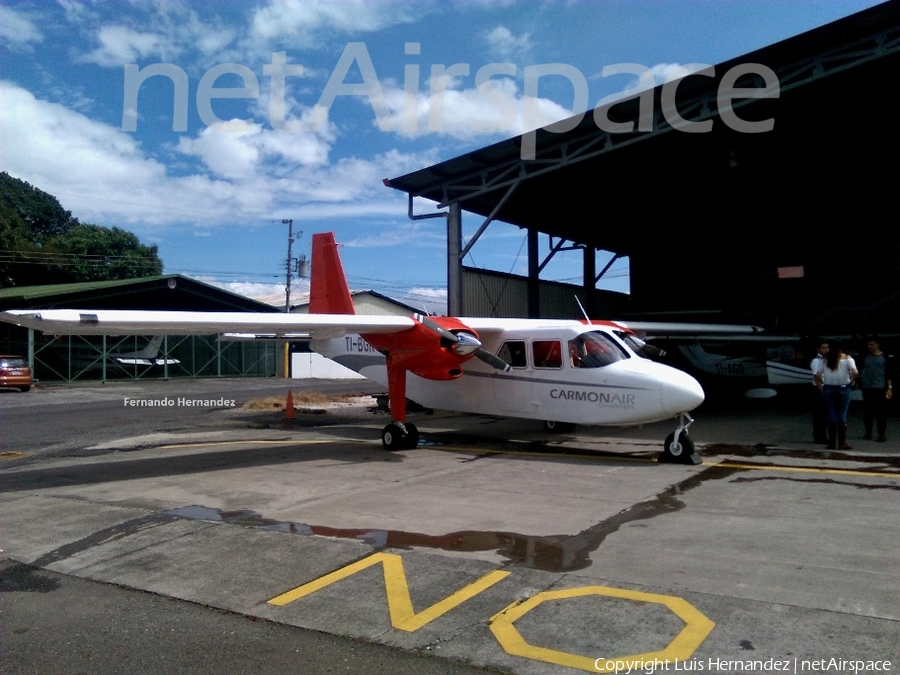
x=495, y=325
x=262, y=337
x=145, y=322
x=674, y=328
x=654, y=328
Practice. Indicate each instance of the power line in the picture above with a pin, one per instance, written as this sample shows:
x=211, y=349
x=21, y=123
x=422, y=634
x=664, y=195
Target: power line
x=55, y=255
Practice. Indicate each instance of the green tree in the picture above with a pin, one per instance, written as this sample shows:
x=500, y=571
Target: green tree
x=42, y=213
x=88, y=252
x=42, y=243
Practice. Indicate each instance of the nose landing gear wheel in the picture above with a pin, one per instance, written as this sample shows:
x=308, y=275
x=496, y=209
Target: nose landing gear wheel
x=399, y=436
x=679, y=452
x=679, y=447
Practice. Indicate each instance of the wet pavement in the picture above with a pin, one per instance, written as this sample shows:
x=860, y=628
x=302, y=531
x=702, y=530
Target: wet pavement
x=491, y=544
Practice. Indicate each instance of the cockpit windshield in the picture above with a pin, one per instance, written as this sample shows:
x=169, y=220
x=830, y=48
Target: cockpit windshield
x=594, y=350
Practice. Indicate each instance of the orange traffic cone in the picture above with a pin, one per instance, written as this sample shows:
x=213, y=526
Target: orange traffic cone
x=289, y=413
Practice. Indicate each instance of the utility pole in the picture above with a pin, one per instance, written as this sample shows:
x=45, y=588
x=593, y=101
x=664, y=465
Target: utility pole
x=287, y=292
x=287, y=285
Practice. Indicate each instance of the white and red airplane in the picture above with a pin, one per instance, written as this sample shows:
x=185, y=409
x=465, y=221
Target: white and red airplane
x=560, y=371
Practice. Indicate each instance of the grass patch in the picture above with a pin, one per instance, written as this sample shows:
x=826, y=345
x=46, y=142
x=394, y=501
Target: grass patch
x=303, y=399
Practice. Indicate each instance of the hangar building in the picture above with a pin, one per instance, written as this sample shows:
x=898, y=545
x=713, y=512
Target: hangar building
x=75, y=357
x=790, y=228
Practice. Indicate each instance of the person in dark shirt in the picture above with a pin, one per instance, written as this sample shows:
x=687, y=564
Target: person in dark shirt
x=876, y=382
x=817, y=402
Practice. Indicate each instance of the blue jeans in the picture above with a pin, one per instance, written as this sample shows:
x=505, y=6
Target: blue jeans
x=837, y=402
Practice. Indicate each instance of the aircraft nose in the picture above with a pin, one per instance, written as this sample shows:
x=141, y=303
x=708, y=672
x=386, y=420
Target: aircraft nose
x=681, y=393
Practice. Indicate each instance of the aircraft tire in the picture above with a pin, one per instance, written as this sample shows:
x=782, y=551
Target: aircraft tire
x=412, y=437
x=553, y=427
x=393, y=438
x=680, y=453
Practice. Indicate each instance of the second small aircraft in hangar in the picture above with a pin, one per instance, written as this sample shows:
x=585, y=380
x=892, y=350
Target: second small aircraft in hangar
x=560, y=371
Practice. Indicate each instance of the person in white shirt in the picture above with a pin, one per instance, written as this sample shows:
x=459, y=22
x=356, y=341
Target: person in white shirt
x=834, y=377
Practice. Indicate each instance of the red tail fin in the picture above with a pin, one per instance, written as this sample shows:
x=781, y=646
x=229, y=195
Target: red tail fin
x=328, y=291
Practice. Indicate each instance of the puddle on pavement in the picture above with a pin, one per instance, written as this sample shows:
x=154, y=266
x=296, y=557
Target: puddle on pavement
x=761, y=450
x=824, y=481
x=552, y=553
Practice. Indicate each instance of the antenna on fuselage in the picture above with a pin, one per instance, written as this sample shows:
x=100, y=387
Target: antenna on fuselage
x=581, y=307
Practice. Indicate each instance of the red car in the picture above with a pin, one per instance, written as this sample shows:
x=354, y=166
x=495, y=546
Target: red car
x=14, y=372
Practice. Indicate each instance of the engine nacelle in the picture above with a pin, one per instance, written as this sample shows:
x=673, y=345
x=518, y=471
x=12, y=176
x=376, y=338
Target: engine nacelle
x=427, y=353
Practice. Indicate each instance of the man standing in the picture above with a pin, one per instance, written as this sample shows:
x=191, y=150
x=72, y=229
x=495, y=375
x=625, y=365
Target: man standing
x=877, y=388
x=816, y=398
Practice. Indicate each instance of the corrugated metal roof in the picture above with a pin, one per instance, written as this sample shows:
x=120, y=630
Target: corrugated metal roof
x=169, y=291
x=837, y=72
x=48, y=290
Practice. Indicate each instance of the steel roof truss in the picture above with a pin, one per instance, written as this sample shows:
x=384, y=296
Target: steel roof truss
x=556, y=248
x=489, y=219
x=571, y=150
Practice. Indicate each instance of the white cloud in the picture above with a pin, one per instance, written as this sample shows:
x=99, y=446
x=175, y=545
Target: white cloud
x=17, y=30
x=657, y=75
x=302, y=19
x=76, y=12
x=271, y=293
x=176, y=31
x=666, y=72
x=58, y=149
x=504, y=44
x=236, y=148
x=433, y=300
x=424, y=236
x=430, y=294
x=446, y=108
x=120, y=45
x=102, y=175
x=227, y=153
x=209, y=40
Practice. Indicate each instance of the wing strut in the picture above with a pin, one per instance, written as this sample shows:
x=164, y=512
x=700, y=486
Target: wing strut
x=399, y=434
x=396, y=390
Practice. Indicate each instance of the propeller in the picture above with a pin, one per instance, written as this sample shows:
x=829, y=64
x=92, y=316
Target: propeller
x=492, y=360
x=463, y=343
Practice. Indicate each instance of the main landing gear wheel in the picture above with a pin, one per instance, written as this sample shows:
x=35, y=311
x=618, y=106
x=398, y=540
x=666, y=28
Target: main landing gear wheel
x=552, y=427
x=400, y=436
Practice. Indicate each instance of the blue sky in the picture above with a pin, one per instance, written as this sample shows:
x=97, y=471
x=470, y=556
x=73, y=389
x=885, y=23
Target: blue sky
x=212, y=196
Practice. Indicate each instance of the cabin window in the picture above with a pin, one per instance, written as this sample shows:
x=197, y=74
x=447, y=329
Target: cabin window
x=547, y=353
x=513, y=352
x=594, y=350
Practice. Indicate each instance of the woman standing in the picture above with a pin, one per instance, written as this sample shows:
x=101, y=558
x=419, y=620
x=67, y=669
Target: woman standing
x=836, y=373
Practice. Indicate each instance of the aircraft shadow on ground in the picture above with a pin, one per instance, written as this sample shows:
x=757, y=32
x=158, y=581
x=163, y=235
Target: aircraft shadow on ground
x=272, y=453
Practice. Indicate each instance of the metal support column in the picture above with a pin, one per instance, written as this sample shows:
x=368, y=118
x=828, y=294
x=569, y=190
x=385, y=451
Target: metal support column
x=534, y=283
x=31, y=349
x=454, y=260
x=590, y=280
